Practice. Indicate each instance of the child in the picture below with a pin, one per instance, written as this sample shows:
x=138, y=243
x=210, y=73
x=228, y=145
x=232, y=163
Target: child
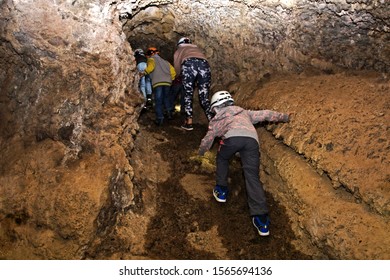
x=145, y=84
x=191, y=64
x=234, y=125
x=177, y=92
x=162, y=74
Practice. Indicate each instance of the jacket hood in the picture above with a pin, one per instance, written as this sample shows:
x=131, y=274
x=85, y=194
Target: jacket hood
x=226, y=112
x=187, y=45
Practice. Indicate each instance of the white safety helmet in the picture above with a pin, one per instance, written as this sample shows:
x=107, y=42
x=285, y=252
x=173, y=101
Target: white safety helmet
x=219, y=98
x=139, y=52
x=184, y=40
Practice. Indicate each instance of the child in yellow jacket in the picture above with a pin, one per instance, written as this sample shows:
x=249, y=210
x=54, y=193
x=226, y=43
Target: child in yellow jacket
x=162, y=74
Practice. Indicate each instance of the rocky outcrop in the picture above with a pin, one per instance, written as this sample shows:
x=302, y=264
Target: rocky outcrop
x=68, y=108
x=244, y=40
x=330, y=164
x=69, y=104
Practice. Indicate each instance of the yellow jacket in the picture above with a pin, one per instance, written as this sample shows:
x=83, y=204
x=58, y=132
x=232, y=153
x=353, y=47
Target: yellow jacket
x=161, y=72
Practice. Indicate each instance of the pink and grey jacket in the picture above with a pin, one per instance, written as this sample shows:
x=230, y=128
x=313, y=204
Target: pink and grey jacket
x=234, y=121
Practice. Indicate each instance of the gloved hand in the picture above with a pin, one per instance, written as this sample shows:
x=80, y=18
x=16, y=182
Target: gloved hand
x=289, y=116
x=201, y=152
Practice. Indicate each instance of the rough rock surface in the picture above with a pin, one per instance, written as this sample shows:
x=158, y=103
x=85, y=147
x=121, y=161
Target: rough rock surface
x=245, y=40
x=69, y=104
x=312, y=215
x=339, y=130
x=68, y=118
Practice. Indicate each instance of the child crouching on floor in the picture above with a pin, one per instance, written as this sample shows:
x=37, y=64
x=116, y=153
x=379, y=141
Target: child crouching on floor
x=235, y=127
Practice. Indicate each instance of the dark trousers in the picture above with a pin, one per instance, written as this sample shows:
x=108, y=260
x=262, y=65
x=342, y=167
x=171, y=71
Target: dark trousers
x=177, y=92
x=161, y=98
x=250, y=159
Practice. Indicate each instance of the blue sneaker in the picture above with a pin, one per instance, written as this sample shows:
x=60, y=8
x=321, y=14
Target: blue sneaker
x=220, y=193
x=261, y=223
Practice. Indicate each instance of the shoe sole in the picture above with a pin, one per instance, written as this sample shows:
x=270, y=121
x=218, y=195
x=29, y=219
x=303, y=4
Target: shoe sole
x=260, y=233
x=218, y=199
x=186, y=128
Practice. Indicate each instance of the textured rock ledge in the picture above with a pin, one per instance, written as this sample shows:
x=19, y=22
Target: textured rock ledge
x=332, y=159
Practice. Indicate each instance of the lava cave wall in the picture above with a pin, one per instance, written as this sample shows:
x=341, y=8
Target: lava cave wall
x=69, y=109
x=69, y=103
x=329, y=165
x=244, y=40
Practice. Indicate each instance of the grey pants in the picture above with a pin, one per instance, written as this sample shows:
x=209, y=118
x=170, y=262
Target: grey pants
x=250, y=159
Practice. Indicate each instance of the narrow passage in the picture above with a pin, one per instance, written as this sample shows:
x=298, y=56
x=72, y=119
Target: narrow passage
x=189, y=223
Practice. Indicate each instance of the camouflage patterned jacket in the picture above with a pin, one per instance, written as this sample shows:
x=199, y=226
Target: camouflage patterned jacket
x=233, y=121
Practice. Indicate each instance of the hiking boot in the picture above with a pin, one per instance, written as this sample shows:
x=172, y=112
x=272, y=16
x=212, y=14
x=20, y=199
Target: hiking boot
x=220, y=193
x=187, y=126
x=159, y=122
x=149, y=102
x=261, y=223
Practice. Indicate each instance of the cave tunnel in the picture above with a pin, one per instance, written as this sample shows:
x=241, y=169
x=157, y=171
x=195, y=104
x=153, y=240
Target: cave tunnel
x=84, y=174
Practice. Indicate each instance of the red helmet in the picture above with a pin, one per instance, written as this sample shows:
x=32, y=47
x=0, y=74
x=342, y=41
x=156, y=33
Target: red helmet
x=151, y=51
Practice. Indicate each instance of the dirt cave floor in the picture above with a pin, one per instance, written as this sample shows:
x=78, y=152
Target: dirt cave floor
x=186, y=221
x=189, y=216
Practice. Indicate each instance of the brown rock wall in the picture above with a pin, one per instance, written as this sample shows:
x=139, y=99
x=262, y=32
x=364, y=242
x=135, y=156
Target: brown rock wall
x=336, y=184
x=328, y=223
x=69, y=105
x=246, y=39
x=344, y=105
